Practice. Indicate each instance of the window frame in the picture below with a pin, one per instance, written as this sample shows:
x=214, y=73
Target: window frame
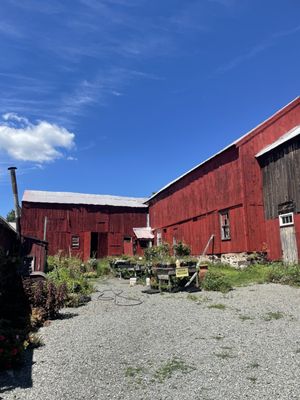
x=74, y=245
x=224, y=217
x=282, y=223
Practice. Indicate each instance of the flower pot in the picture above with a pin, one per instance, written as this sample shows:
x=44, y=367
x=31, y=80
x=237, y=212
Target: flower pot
x=202, y=271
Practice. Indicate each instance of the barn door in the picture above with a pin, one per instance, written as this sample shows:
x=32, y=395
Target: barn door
x=127, y=246
x=288, y=238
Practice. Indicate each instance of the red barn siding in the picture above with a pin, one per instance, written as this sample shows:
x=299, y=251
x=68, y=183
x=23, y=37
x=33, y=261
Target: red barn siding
x=231, y=180
x=64, y=220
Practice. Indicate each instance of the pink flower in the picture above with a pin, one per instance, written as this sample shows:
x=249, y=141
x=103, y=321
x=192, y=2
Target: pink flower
x=14, y=351
x=1, y=350
x=2, y=337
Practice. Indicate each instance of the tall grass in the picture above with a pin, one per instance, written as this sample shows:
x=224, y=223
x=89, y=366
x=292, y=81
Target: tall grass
x=222, y=277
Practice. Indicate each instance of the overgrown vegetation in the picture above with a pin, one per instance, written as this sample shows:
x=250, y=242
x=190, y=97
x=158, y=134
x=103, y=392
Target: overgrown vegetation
x=158, y=253
x=216, y=281
x=70, y=271
x=285, y=274
x=181, y=250
x=45, y=298
x=223, y=278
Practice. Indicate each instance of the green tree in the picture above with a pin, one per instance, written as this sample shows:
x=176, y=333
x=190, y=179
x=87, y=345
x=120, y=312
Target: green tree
x=11, y=216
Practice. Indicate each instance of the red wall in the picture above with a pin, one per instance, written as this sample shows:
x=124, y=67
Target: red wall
x=189, y=209
x=112, y=223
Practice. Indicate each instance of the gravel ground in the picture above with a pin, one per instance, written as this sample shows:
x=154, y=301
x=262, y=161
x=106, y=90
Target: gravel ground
x=242, y=345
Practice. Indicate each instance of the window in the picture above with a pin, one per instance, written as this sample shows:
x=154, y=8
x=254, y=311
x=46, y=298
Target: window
x=75, y=243
x=286, y=219
x=225, y=228
x=144, y=244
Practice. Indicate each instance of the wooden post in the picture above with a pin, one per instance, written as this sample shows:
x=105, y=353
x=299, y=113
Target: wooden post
x=45, y=228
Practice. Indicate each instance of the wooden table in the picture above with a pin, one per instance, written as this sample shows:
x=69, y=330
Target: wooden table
x=165, y=274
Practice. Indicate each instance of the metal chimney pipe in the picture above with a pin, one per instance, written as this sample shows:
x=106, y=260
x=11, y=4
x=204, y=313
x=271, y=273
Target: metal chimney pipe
x=16, y=198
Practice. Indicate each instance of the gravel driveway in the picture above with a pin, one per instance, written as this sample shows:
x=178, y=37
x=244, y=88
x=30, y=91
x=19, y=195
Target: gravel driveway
x=242, y=345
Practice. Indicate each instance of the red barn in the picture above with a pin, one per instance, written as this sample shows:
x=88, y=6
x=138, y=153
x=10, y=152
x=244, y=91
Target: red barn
x=247, y=195
x=83, y=224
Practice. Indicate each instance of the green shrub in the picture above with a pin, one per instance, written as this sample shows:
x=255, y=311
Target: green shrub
x=59, y=261
x=284, y=274
x=90, y=275
x=216, y=281
x=74, y=280
x=157, y=253
x=181, y=250
x=77, y=300
x=91, y=265
x=103, y=267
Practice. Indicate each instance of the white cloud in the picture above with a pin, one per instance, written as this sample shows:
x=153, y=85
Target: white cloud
x=40, y=142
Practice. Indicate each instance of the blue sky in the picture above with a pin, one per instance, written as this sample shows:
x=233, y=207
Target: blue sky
x=122, y=96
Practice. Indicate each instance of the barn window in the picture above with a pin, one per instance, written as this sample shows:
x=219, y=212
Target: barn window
x=144, y=244
x=224, y=222
x=75, y=242
x=286, y=219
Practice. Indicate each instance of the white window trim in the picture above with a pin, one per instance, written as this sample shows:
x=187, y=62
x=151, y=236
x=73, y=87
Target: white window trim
x=281, y=217
x=75, y=242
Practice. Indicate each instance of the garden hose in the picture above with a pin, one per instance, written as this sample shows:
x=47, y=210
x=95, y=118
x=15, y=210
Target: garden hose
x=118, y=295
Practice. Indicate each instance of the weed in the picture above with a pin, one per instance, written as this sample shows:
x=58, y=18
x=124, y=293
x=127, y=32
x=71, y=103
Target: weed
x=216, y=281
x=245, y=317
x=103, y=267
x=226, y=347
x=298, y=351
x=218, y=306
x=254, y=364
x=285, y=274
x=241, y=277
x=218, y=337
x=253, y=379
x=35, y=340
x=170, y=367
x=192, y=297
x=181, y=250
x=132, y=372
x=273, y=315
x=224, y=355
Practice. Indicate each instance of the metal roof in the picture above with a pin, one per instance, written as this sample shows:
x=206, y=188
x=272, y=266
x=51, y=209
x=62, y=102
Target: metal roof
x=221, y=151
x=37, y=196
x=6, y=224
x=143, y=233
x=284, y=138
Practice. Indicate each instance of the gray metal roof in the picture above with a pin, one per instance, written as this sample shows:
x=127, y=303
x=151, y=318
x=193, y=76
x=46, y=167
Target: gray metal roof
x=143, y=233
x=284, y=138
x=37, y=196
x=6, y=224
x=219, y=152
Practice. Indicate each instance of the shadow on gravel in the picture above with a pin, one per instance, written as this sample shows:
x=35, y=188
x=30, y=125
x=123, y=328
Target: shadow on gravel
x=17, y=378
x=67, y=315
